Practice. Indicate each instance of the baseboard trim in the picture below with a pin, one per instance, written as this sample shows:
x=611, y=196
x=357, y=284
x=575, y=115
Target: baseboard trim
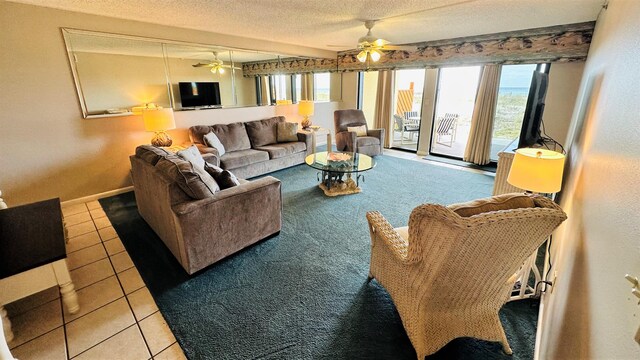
x=93, y=197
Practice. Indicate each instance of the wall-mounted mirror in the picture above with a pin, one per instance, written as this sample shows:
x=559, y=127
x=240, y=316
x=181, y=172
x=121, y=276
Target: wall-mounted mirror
x=114, y=73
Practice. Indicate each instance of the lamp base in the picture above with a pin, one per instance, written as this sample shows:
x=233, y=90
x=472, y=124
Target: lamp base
x=160, y=139
x=306, y=122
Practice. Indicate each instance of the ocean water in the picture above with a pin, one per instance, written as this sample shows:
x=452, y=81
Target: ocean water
x=514, y=90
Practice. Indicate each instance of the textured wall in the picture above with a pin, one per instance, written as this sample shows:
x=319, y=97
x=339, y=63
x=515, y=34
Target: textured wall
x=591, y=313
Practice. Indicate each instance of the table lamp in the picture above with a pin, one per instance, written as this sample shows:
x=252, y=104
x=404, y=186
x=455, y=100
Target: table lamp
x=158, y=120
x=537, y=170
x=305, y=108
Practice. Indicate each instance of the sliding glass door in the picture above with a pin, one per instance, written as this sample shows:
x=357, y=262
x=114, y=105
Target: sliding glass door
x=455, y=99
x=407, y=117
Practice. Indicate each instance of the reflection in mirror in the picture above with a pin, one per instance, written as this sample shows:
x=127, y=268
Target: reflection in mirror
x=202, y=75
x=281, y=85
x=114, y=74
x=252, y=91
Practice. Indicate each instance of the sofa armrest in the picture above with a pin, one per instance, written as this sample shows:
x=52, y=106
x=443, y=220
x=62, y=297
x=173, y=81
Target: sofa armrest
x=209, y=154
x=307, y=139
x=230, y=194
x=204, y=149
x=346, y=140
x=377, y=133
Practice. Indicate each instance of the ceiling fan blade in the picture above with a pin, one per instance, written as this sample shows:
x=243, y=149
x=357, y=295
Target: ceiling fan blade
x=339, y=46
x=201, y=65
x=399, y=48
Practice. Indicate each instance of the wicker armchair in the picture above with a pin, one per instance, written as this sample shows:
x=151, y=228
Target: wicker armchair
x=449, y=274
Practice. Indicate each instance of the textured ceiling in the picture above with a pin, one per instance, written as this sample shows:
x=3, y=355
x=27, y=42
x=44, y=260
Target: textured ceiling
x=321, y=23
x=84, y=42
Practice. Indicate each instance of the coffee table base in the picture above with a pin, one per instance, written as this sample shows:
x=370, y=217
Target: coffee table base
x=338, y=188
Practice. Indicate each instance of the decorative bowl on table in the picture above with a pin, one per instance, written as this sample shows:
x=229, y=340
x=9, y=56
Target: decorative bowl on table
x=339, y=160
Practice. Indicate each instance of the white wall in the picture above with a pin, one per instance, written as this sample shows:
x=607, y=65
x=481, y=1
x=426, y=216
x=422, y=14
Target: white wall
x=564, y=82
x=591, y=313
x=46, y=148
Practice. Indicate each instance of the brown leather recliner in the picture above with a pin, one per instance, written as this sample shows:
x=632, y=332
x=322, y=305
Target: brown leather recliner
x=371, y=145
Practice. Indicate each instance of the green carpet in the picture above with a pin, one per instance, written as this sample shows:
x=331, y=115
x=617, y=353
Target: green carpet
x=303, y=294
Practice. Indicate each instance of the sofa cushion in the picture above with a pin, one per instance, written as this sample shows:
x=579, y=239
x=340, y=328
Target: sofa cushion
x=236, y=159
x=287, y=131
x=150, y=153
x=192, y=154
x=211, y=140
x=367, y=141
x=263, y=132
x=233, y=136
x=195, y=182
x=283, y=149
x=495, y=203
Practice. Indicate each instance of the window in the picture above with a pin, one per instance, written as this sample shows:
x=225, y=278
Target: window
x=297, y=79
x=322, y=86
x=281, y=84
x=455, y=99
x=513, y=91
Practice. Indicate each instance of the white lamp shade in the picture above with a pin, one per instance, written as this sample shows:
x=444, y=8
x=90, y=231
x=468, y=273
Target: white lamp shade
x=537, y=170
x=158, y=119
x=305, y=108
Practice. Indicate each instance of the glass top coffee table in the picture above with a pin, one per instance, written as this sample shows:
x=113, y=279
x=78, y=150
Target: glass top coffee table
x=339, y=170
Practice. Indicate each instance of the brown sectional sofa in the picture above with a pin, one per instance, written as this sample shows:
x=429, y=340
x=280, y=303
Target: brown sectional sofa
x=251, y=148
x=202, y=231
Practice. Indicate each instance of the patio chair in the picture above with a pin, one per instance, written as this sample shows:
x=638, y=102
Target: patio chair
x=402, y=126
x=447, y=126
x=451, y=270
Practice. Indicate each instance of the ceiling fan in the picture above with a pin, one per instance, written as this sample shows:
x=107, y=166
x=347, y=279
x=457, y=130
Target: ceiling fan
x=217, y=66
x=372, y=47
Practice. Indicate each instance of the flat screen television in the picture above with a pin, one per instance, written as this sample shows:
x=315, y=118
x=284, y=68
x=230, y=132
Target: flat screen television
x=530, y=131
x=199, y=94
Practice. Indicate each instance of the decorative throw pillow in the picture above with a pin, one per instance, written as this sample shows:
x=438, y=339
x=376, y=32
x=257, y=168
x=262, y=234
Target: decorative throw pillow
x=192, y=155
x=213, y=170
x=227, y=180
x=224, y=178
x=194, y=181
x=359, y=130
x=211, y=140
x=287, y=132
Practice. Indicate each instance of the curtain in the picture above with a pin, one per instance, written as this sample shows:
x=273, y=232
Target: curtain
x=264, y=90
x=306, y=93
x=384, y=97
x=479, y=144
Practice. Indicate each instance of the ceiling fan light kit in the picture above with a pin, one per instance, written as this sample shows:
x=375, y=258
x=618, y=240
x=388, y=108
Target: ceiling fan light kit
x=217, y=69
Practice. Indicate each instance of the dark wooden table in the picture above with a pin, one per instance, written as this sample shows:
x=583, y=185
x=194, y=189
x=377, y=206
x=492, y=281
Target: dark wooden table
x=33, y=255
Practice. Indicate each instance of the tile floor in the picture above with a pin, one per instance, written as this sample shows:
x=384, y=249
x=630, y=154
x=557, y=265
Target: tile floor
x=118, y=318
